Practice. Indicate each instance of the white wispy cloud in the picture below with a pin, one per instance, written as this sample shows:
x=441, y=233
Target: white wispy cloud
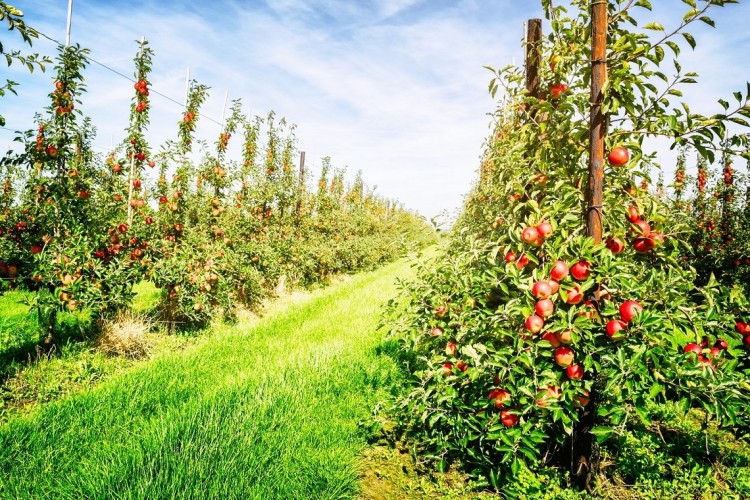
x=396, y=88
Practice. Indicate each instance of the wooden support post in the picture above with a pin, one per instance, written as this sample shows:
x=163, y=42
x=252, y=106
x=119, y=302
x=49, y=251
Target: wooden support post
x=598, y=126
x=584, y=459
x=533, y=57
x=301, y=185
x=532, y=64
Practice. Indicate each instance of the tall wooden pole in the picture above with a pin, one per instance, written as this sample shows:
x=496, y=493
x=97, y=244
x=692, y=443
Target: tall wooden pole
x=533, y=57
x=584, y=459
x=598, y=127
x=301, y=185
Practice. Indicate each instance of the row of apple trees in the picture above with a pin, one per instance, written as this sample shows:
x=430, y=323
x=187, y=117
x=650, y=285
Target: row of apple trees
x=528, y=343
x=212, y=232
x=716, y=199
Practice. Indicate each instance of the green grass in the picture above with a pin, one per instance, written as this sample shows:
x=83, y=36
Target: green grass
x=269, y=411
x=18, y=328
x=20, y=332
x=146, y=297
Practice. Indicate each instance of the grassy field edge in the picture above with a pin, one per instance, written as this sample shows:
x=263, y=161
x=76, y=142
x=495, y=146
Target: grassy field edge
x=274, y=407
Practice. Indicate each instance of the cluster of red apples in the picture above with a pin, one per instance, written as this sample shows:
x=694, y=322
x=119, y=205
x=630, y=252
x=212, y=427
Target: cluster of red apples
x=644, y=239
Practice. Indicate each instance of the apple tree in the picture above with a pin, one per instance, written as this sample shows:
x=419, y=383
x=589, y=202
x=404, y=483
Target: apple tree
x=527, y=338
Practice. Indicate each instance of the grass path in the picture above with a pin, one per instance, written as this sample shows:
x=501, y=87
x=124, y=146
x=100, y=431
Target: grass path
x=268, y=410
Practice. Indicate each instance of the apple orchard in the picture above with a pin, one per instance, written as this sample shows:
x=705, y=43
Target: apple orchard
x=574, y=301
x=79, y=229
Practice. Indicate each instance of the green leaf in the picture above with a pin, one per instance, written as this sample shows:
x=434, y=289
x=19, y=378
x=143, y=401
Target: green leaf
x=654, y=26
x=672, y=45
x=602, y=433
x=684, y=405
x=643, y=414
x=644, y=3
x=515, y=467
x=690, y=39
x=708, y=21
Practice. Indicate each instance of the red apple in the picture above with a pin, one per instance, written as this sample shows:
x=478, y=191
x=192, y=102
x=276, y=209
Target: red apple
x=36, y=248
x=641, y=228
x=83, y=194
x=451, y=348
x=575, y=295
x=721, y=344
x=499, y=397
x=554, y=286
x=581, y=400
x=618, y=156
x=462, y=365
x=51, y=151
x=643, y=245
x=544, y=229
x=545, y=395
x=522, y=261
x=566, y=336
x=615, y=244
x=447, y=369
x=510, y=257
x=136, y=183
x=633, y=214
x=629, y=309
x=559, y=271
x=149, y=220
x=534, y=324
x=615, y=329
x=657, y=239
x=581, y=270
x=552, y=338
x=742, y=327
x=531, y=235
x=544, y=308
x=123, y=228
x=574, y=372
x=556, y=91
x=564, y=356
x=436, y=332
x=692, y=347
x=508, y=419
x=441, y=311
x=541, y=290
x=540, y=179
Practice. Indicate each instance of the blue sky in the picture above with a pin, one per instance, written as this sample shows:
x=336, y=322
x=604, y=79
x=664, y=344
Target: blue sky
x=396, y=88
